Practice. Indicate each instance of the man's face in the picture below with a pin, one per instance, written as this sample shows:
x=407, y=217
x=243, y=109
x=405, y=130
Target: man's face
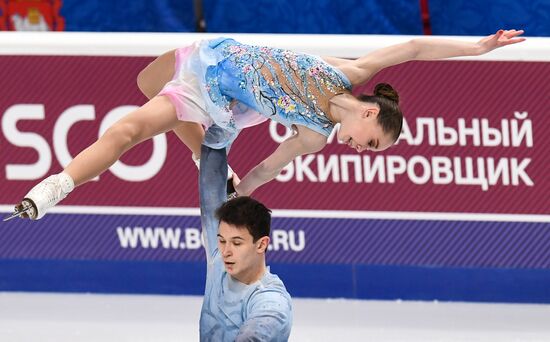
x=243, y=258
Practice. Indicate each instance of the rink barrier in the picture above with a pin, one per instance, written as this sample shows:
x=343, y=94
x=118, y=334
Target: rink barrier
x=475, y=239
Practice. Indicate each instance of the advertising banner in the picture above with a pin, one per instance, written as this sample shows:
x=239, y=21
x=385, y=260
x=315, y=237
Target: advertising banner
x=466, y=187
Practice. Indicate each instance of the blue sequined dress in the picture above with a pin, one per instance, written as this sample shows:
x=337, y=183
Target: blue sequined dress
x=243, y=85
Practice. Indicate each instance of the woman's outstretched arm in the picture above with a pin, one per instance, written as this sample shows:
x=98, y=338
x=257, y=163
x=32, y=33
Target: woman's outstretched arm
x=429, y=48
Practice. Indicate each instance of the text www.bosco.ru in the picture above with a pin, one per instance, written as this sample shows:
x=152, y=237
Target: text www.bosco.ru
x=190, y=238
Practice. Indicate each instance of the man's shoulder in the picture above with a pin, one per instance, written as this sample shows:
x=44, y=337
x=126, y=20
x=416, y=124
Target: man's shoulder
x=272, y=280
x=268, y=311
x=271, y=288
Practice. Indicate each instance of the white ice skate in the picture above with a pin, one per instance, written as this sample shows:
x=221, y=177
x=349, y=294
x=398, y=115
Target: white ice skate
x=43, y=196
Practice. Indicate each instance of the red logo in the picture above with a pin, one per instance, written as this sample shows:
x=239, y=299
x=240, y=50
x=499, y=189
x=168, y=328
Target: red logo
x=31, y=15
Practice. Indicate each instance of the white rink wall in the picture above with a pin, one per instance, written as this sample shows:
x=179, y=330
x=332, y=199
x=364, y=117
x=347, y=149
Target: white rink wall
x=154, y=44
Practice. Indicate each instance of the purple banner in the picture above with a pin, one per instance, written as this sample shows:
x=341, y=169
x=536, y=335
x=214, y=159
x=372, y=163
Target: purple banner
x=293, y=240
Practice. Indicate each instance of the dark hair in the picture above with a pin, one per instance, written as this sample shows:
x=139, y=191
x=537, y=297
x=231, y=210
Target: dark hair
x=246, y=212
x=390, y=116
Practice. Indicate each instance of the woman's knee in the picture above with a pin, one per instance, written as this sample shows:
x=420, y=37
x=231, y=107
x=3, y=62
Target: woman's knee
x=155, y=75
x=144, y=83
x=123, y=134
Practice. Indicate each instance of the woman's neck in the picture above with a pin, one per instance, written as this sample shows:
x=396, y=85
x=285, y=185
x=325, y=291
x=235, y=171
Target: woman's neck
x=339, y=106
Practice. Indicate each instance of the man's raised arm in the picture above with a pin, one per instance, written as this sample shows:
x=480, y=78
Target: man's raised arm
x=212, y=193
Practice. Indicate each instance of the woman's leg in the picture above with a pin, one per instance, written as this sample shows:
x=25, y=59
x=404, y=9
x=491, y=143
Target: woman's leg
x=152, y=79
x=192, y=135
x=155, y=117
x=154, y=76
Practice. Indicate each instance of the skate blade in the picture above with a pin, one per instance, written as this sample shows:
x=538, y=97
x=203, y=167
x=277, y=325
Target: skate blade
x=17, y=213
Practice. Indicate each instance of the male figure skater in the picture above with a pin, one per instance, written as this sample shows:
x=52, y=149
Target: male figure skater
x=243, y=301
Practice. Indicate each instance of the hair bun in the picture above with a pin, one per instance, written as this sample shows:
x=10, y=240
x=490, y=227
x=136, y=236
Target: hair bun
x=387, y=91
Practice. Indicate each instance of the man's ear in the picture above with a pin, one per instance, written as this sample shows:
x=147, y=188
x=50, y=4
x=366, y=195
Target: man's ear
x=262, y=244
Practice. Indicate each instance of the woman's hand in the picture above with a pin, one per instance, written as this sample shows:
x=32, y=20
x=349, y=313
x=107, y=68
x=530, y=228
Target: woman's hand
x=500, y=39
x=232, y=184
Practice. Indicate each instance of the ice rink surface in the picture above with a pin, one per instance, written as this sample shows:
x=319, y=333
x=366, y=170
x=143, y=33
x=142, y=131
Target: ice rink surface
x=46, y=317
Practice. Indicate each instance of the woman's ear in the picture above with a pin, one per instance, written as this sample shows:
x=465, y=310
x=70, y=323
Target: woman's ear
x=368, y=110
x=371, y=111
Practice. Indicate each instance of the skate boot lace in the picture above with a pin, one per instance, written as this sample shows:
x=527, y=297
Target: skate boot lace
x=52, y=191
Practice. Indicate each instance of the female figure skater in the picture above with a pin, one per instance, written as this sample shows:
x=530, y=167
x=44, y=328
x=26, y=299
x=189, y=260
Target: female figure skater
x=222, y=86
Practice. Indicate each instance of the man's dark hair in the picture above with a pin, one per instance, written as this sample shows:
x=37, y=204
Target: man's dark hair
x=246, y=212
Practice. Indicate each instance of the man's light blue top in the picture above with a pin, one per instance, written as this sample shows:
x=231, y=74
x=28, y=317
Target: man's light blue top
x=231, y=310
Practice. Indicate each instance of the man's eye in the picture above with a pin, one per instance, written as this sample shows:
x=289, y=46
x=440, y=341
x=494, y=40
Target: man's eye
x=222, y=241
x=237, y=243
